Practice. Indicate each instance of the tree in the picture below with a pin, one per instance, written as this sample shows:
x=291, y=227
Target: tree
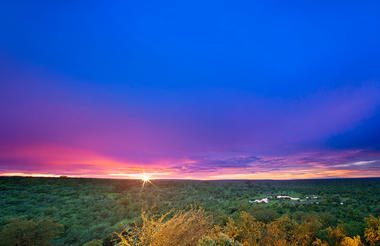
x=22, y=232
x=318, y=242
x=183, y=228
x=247, y=230
x=372, y=232
x=336, y=236
x=355, y=241
x=282, y=231
x=218, y=238
x=95, y=242
x=307, y=231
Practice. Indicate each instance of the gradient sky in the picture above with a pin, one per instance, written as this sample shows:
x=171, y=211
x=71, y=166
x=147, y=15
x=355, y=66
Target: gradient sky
x=190, y=89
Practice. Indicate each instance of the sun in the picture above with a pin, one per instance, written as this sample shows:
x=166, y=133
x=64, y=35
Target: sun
x=145, y=178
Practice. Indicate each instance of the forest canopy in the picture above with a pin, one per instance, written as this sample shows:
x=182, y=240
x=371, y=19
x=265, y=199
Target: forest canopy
x=66, y=211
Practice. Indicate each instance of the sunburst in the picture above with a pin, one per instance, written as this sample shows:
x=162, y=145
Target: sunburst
x=146, y=179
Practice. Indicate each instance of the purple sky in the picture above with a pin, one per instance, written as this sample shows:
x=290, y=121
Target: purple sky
x=253, y=90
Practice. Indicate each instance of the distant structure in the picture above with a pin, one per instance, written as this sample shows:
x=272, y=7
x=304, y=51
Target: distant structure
x=293, y=199
x=288, y=197
x=264, y=200
x=63, y=177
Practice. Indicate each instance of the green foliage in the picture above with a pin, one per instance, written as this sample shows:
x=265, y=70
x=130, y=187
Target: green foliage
x=20, y=232
x=219, y=239
x=92, y=209
x=95, y=242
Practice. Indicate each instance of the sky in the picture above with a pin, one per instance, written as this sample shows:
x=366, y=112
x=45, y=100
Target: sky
x=190, y=89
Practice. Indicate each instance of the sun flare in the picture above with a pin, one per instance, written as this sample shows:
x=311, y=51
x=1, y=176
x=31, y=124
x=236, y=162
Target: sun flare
x=145, y=178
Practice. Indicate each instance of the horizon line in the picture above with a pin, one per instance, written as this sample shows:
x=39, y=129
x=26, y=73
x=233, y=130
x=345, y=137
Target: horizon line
x=176, y=179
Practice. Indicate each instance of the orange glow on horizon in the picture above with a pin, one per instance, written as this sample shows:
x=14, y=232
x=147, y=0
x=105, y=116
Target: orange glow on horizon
x=304, y=174
x=56, y=161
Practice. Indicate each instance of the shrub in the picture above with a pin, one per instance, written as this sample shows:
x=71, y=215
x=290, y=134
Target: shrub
x=183, y=228
x=372, y=232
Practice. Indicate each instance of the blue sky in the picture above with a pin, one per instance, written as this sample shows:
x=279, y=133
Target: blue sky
x=158, y=85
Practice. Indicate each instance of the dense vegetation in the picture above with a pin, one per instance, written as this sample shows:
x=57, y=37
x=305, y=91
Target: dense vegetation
x=44, y=211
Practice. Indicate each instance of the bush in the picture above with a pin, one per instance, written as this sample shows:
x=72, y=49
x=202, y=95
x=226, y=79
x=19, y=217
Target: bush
x=372, y=233
x=183, y=228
